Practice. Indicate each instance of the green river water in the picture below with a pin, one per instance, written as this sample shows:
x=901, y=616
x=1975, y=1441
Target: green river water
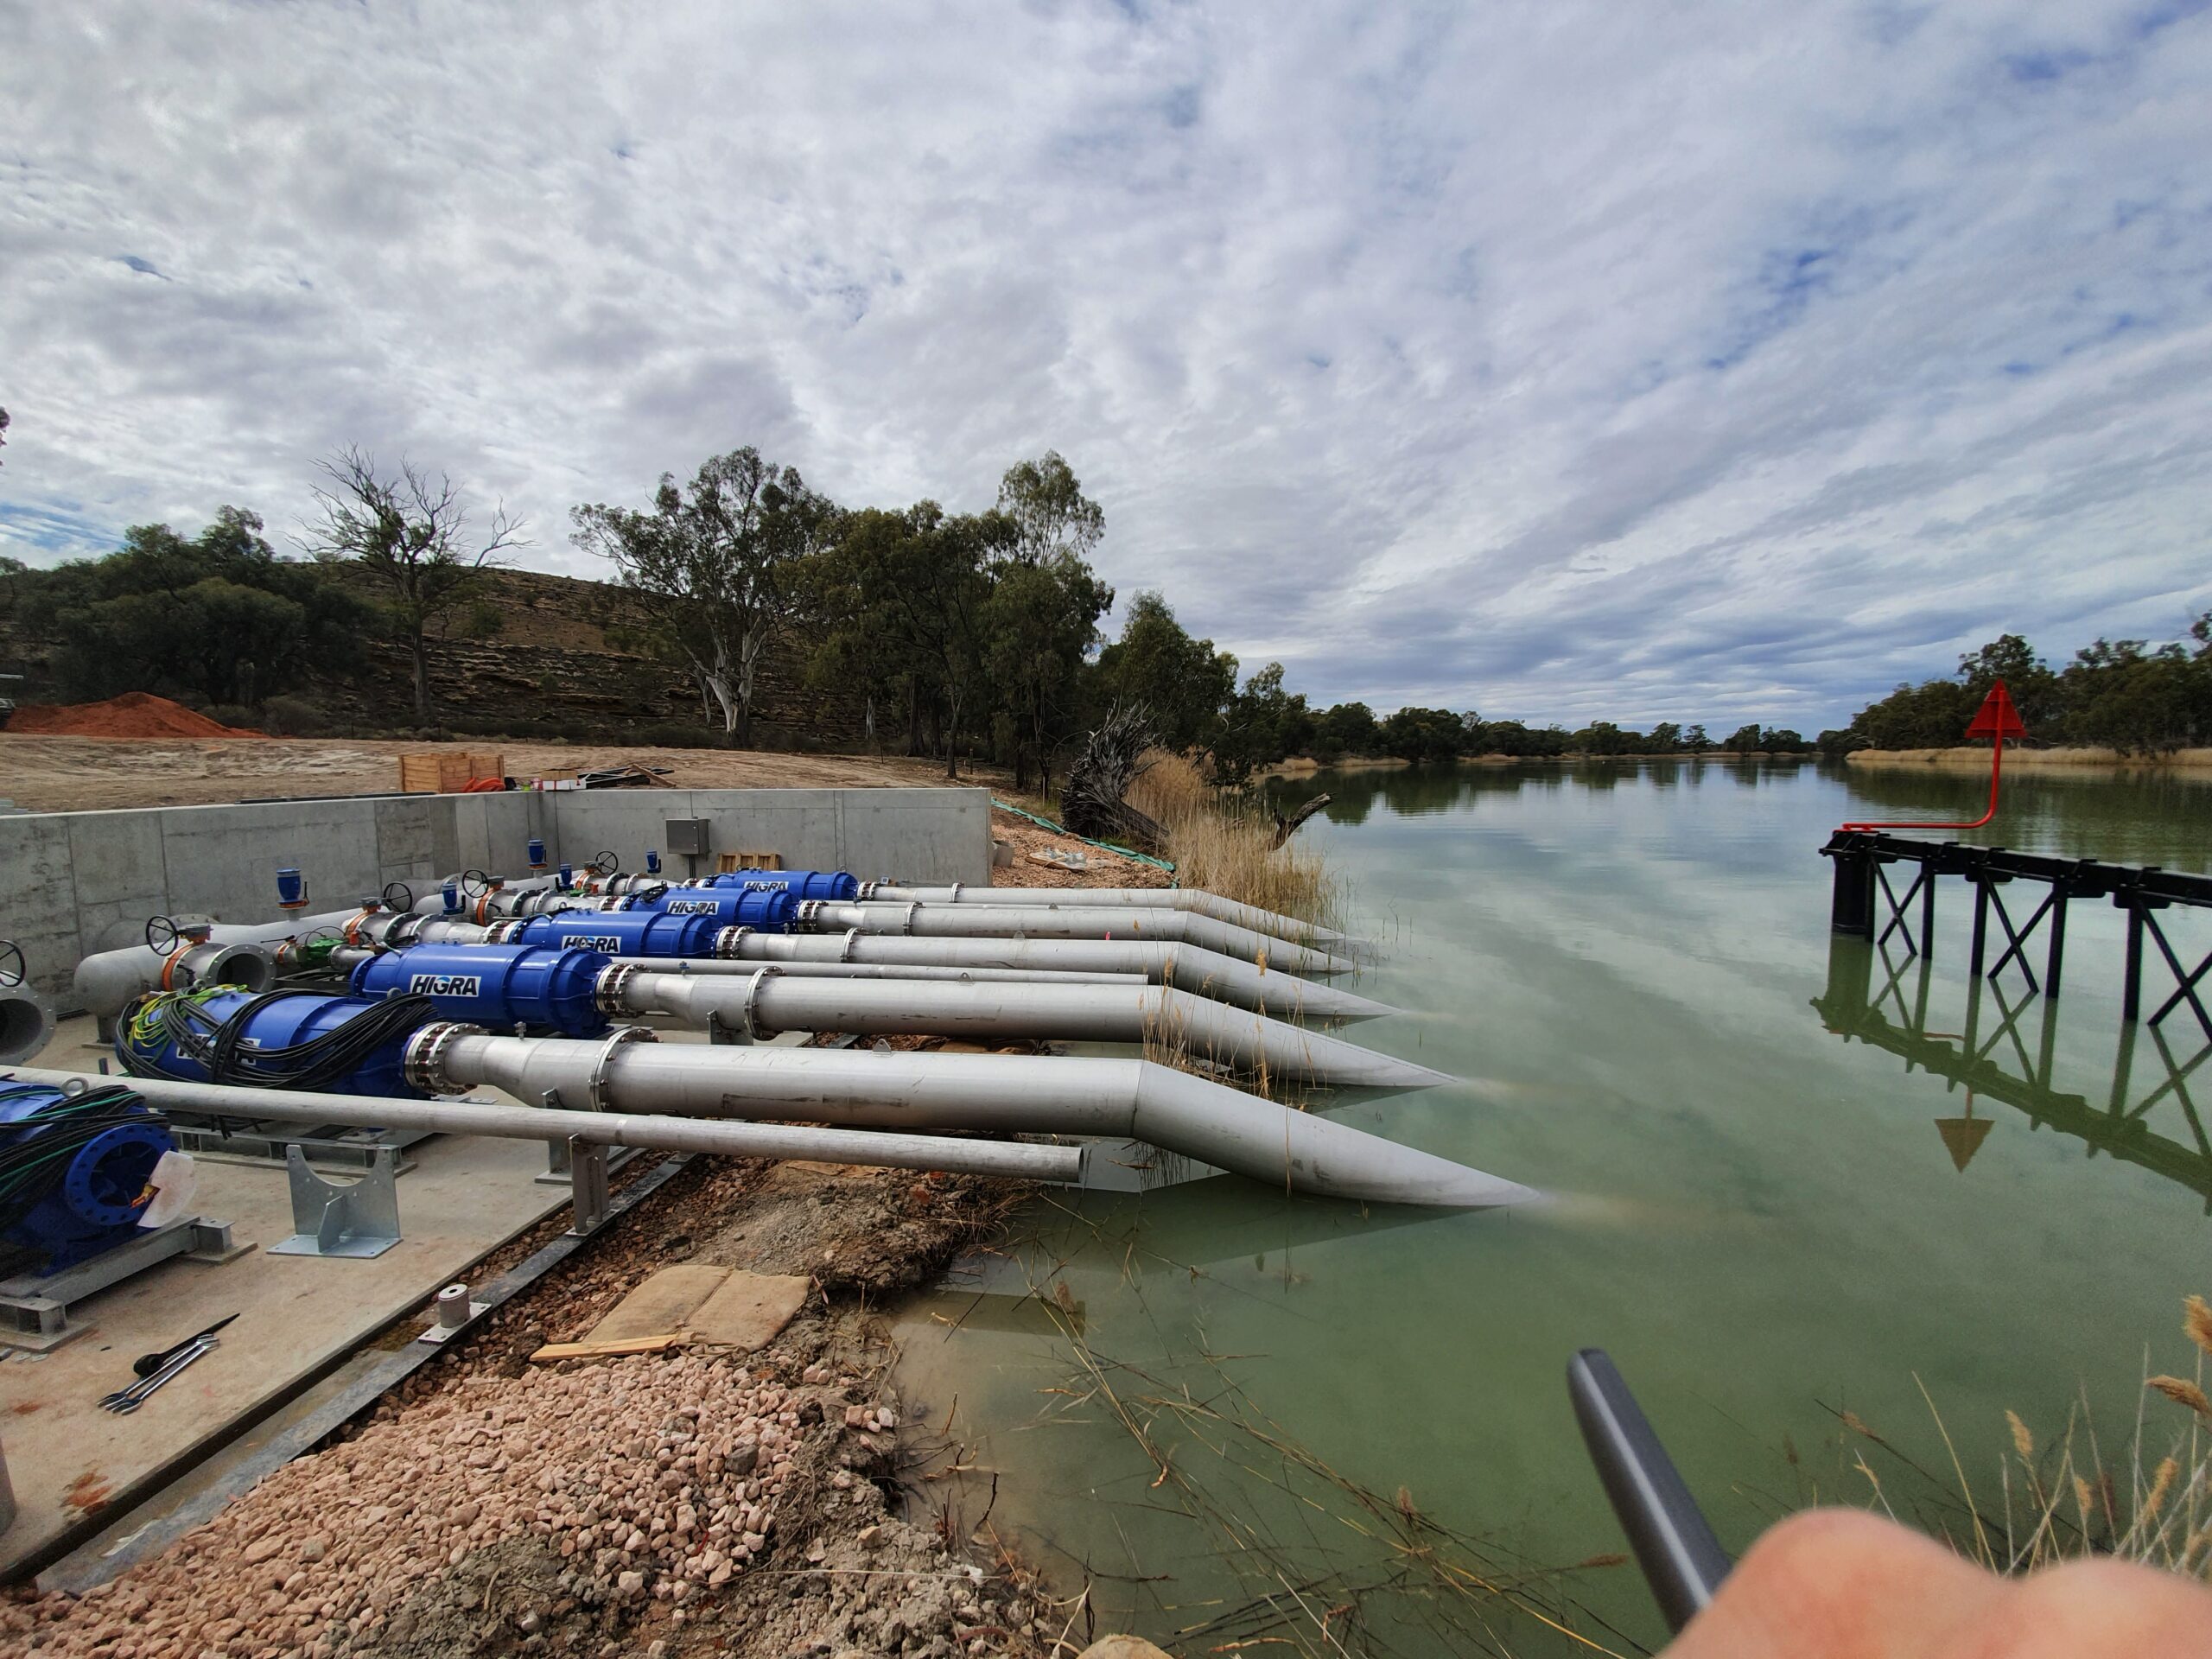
x=1766, y=1223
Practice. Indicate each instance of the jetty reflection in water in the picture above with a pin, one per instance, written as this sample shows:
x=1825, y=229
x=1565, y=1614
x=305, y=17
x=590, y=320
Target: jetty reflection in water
x=2147, y=1120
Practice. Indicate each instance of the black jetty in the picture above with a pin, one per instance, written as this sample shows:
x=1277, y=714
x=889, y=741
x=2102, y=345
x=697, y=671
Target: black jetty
x=1863, y=858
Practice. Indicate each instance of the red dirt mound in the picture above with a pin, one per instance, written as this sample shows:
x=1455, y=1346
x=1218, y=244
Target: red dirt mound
x=135, y=713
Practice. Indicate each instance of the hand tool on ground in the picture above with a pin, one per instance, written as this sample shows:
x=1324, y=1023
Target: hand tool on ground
x=1682, y=1561
x=130, y=1399
x=146, y=1364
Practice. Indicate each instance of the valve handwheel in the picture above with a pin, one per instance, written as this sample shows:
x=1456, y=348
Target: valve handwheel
x=605, y=863
x=475, y=884
x=161, y=935
x=405, y=901
x=13, y=969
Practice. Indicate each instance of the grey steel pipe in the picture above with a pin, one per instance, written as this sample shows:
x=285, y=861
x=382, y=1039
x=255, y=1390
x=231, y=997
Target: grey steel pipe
x=1137, y=1099
x=932, y=972
x=1198, y=899
x=26, y=1022
x=1069, y=922
x=767, y=1002
x=109, y=981
x=1186, y=967
x=723, y=1137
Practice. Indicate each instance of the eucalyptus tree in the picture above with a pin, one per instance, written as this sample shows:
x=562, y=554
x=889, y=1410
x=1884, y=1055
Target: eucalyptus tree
x=410, y=534
x=718, y=565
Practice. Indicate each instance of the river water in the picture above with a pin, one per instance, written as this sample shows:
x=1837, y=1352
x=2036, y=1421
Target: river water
x=1250, y=1418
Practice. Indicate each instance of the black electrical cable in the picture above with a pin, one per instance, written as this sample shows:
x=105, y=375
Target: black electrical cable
x=40, y=1145
x=220, y=1049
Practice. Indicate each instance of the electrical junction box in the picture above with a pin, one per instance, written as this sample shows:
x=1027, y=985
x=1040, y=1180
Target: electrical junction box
x=690, y=837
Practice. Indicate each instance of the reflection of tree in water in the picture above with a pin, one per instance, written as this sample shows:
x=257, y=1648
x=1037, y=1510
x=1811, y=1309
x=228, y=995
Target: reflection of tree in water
x=1423, y=792
x=2128, y=817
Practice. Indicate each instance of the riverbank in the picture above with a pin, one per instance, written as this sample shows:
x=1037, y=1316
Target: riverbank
x=1972, y=759
x=683, y=1503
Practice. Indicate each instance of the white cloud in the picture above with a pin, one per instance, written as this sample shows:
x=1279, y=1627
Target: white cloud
x=1563, y=361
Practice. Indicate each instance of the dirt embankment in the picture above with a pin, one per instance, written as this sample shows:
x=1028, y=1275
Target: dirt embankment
x=73, y=774
x=1976, y=759
x=670, y=1503
x=133, y=715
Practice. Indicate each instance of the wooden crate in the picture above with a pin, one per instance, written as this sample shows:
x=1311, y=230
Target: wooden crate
x=443, y=772
x=725, y=863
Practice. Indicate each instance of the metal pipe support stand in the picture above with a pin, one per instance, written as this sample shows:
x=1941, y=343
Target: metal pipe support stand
x=359, y=1220
x=587, y=1168
x=35, y=1311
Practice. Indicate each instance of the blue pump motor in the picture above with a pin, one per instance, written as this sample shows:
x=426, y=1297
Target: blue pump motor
x=549, y=986
x=619, y=933
x=285, y=1022
x=765, y=912
x=102, y=1192
x=839, y=886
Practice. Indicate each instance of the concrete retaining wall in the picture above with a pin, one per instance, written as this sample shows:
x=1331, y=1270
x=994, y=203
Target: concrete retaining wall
x=72, y=883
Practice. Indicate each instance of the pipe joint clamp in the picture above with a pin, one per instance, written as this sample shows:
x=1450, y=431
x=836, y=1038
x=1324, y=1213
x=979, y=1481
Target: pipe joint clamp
x=422, y=1061
x=595, y=1086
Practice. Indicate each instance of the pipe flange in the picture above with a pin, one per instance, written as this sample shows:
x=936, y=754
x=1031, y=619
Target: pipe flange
x=845, y=950
x=867, y=891
x=502, y=932
x=907, y=922
x=954, y=898
x=809, y=913
x=406, y=930
x=752, y=1026
x=422, y=1061
x=730, y=943
x=596, y=1088
x=606, y=991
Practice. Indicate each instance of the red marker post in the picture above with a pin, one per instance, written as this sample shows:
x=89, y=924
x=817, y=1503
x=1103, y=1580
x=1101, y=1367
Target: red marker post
x=1997, y=720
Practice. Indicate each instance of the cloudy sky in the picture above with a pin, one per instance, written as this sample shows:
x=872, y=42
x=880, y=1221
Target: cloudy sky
x=1703, y=362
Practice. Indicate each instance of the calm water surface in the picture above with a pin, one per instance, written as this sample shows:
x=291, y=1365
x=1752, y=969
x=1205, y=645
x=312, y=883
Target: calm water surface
x=1764, y=1222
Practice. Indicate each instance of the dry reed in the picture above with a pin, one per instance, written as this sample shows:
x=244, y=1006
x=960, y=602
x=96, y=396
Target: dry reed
x=1222, y=845
x=2061, y=1499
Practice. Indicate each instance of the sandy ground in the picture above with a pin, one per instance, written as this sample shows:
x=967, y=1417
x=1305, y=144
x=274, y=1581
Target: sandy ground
x=73, y=774
x=1969, y=758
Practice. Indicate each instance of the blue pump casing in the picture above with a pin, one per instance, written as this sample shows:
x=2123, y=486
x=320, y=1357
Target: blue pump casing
x=621, y=934
x=101, y=1194
x=499, y=985
x=839, y=886
x=765, y=912
x=290, y=1021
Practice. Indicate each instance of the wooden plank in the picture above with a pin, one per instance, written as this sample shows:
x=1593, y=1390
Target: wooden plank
x=662, y=1302
x=653, y=1345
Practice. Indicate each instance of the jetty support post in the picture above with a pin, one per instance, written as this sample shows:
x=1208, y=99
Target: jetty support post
x=1852, y=906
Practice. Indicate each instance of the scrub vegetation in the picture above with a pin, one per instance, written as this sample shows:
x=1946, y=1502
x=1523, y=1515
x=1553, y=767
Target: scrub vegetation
x=2061, y=1497
x=2124, y=695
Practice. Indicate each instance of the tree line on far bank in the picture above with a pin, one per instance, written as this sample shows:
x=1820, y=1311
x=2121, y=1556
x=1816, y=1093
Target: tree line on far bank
x=2127, y=694
x=967, y=635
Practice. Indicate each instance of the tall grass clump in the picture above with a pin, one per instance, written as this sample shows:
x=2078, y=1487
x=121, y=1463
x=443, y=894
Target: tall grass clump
x=1221, y=844
x=2059, y=1497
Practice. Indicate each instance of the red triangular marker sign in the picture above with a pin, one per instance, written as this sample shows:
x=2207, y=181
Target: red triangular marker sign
x=1998, y=717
